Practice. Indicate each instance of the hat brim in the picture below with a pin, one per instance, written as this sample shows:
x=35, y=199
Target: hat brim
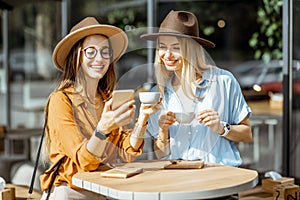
x=118, y=39
x=154, y=36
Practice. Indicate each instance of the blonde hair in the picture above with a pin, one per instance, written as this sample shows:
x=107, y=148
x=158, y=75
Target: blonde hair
x=194, y=63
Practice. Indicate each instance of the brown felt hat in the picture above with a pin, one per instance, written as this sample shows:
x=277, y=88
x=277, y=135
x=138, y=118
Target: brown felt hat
x=89, y=26
x=180, y=24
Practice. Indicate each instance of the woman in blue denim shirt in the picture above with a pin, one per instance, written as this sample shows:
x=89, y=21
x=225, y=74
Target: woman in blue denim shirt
x=190, y=82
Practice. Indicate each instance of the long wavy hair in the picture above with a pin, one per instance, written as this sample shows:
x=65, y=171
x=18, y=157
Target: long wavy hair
x=195, y=61
x=68, y=78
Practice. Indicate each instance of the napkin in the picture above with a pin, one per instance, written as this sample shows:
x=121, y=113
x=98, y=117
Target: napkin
x=2, y=183
x=274, y=175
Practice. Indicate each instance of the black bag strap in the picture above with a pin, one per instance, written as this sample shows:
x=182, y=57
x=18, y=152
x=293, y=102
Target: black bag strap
x=38, y=157
x=56, y=168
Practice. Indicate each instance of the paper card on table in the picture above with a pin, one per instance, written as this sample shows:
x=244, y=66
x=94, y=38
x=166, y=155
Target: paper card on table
x=185, y=164
x=121, y=172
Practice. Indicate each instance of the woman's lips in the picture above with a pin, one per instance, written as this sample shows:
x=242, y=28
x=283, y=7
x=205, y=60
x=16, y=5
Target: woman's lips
x=170, y=62
x=97, y=68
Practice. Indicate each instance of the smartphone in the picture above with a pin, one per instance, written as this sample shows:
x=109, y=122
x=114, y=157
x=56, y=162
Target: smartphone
x=120, y=97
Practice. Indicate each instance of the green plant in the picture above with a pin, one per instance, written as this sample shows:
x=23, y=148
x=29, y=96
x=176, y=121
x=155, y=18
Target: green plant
x=267, y=41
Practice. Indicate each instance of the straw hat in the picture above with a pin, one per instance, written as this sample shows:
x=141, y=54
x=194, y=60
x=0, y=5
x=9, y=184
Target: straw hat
x=180, y=24
x=89, y=26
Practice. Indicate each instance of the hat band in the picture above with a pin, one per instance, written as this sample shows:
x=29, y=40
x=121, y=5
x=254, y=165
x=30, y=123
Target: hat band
x=175, y=33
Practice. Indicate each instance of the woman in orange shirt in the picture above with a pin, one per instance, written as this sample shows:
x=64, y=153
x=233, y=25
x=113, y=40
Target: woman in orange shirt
x=82, y=130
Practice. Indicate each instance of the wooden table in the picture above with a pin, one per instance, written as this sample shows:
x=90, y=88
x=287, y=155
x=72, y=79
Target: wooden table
x=264, y=107
x=255, y=193
x=155, y=182
x=21, y=192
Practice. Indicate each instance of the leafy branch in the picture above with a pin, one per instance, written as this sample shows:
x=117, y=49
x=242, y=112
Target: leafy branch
x=267, y=41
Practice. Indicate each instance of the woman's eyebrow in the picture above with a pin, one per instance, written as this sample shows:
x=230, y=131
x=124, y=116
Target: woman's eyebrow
x=175, y=44
x=95, y=46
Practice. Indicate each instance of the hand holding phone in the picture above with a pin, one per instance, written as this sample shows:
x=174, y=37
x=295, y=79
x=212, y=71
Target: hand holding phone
x=120, y=97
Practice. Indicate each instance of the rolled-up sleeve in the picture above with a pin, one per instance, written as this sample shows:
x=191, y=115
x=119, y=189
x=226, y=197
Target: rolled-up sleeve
x=69, y=128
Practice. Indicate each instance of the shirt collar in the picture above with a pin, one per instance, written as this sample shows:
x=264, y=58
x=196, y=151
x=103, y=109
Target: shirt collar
x=77, y=99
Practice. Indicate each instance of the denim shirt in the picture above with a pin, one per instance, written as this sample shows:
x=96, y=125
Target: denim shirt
x=195, y=141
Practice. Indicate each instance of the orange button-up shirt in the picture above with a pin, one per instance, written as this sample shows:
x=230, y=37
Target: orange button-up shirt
x=69, y=126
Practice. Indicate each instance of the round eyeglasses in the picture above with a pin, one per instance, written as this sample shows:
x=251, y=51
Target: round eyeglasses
x=91, y=52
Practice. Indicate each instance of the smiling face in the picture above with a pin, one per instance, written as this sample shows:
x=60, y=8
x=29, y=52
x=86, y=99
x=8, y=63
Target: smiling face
x=169, y=53
x=95, y=56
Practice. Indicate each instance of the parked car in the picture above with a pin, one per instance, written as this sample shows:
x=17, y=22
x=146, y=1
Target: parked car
x=257, y=78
